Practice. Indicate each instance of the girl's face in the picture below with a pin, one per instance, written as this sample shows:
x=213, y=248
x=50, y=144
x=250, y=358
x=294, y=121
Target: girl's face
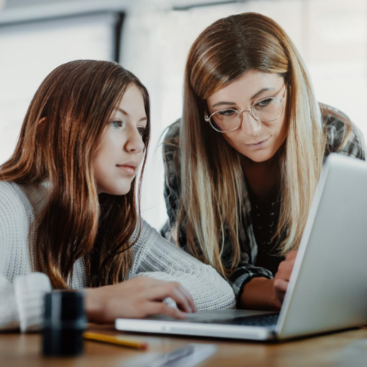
x=256, y=140
x=121, y=148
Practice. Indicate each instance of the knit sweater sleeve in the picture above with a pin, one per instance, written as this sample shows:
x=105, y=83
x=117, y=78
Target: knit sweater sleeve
x=157, y=258
x=21, y=291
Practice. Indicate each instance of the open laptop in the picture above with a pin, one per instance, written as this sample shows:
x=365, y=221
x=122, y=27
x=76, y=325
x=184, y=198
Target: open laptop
x=328, y=286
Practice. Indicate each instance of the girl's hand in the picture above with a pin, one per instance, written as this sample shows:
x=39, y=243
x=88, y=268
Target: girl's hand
x=281, y=278
x=137, y=298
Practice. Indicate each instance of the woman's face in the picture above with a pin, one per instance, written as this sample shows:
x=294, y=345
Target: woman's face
x=121, y=148
x=258, y=141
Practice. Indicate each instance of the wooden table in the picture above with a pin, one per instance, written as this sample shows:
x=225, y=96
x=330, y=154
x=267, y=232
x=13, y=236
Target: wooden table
x=348, y=348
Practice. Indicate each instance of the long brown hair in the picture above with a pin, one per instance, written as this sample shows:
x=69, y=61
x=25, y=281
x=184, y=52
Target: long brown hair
x=212, y=188
x=59, y=135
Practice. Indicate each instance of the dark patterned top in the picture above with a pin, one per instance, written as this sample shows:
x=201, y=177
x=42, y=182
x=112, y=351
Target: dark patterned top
x=258, y=257
x=265, y=217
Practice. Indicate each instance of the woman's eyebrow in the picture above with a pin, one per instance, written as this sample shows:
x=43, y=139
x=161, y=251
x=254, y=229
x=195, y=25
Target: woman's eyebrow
x=220, y=103
x=126, y=114
x=261, y=91
x=253, y=97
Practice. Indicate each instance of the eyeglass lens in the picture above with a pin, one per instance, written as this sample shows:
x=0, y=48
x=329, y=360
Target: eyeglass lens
x=229, y=120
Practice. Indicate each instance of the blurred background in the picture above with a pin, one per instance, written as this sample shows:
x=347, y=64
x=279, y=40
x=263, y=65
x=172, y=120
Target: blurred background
x=152, y=38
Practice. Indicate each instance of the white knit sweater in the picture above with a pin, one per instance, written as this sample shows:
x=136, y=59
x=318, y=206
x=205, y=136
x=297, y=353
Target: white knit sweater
x=22, y=291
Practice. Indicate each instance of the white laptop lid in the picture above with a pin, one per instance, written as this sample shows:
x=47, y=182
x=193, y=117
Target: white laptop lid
x=328, y=286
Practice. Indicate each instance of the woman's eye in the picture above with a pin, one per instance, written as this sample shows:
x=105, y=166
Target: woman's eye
x=118, y=123
x=264, y=103
x=227, y=112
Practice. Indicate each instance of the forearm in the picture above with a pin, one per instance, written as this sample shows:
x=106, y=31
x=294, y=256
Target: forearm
x=258, y=294
x=157, y=258
x=208, y=289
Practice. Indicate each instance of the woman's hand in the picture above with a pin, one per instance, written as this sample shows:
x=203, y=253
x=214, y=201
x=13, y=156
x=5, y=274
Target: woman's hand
x=137, y=298
x=281, y=278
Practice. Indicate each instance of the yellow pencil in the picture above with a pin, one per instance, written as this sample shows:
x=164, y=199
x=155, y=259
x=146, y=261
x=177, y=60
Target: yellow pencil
x=115, y=340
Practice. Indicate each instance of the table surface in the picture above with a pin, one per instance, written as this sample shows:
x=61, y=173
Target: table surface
x=347, y=348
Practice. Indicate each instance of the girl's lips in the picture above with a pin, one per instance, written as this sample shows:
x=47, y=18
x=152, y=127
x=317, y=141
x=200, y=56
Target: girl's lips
x=258, y=145
x=129, y=170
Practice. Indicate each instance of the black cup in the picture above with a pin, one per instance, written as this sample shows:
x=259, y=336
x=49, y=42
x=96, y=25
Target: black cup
x=64, y=323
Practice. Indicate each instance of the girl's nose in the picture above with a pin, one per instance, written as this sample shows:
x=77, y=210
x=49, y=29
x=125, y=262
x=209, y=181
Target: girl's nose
x=134, y=142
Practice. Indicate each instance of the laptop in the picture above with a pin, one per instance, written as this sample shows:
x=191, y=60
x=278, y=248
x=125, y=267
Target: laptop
x=328, y=286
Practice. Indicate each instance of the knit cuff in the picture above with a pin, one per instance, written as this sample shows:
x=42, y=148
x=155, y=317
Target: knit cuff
x=29, y=294
x=9, y=318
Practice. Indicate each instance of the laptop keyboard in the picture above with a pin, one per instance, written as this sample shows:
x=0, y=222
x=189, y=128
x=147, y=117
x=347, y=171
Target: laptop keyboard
x=267, y=320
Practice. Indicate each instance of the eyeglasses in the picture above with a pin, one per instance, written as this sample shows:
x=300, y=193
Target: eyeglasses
x=228, y=120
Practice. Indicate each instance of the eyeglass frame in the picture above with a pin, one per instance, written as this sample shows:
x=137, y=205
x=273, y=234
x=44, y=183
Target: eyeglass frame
x=240, y=113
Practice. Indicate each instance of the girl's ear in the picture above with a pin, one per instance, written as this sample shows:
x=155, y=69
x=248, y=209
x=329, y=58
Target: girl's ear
x=41, y=122
x=40, y=129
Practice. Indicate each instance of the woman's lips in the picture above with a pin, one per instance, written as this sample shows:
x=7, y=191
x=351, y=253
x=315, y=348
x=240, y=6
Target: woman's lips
x=259, y=144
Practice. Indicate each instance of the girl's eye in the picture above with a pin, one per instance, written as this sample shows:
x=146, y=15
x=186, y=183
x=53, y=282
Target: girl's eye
x=264, y=103
x=141, y=130
x=118, y=124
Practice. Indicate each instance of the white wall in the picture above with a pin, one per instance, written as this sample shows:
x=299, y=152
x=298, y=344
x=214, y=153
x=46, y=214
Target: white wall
x=331, y=35
x=29, y=52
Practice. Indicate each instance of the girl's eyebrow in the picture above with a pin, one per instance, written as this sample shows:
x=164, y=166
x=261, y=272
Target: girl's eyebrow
x=126, y=114
x=253, y=97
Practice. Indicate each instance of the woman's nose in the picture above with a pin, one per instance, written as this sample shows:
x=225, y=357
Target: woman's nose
x=250, y=125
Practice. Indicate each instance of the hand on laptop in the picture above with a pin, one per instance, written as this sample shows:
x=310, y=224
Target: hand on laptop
x=281, y=278
x=137, y=298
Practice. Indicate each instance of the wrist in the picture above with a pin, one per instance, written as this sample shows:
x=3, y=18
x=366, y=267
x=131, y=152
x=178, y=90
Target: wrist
x=274, y=303
x=92, y=305
x=259, y=294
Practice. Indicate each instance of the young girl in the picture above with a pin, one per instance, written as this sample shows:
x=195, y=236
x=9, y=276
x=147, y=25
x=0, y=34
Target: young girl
x=243, y=163
x=69, y=209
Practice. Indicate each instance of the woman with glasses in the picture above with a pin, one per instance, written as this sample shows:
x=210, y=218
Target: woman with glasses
x=243, y=162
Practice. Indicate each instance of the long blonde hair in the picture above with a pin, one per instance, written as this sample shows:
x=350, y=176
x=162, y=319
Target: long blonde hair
x=212, y=187
x=75, y=101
